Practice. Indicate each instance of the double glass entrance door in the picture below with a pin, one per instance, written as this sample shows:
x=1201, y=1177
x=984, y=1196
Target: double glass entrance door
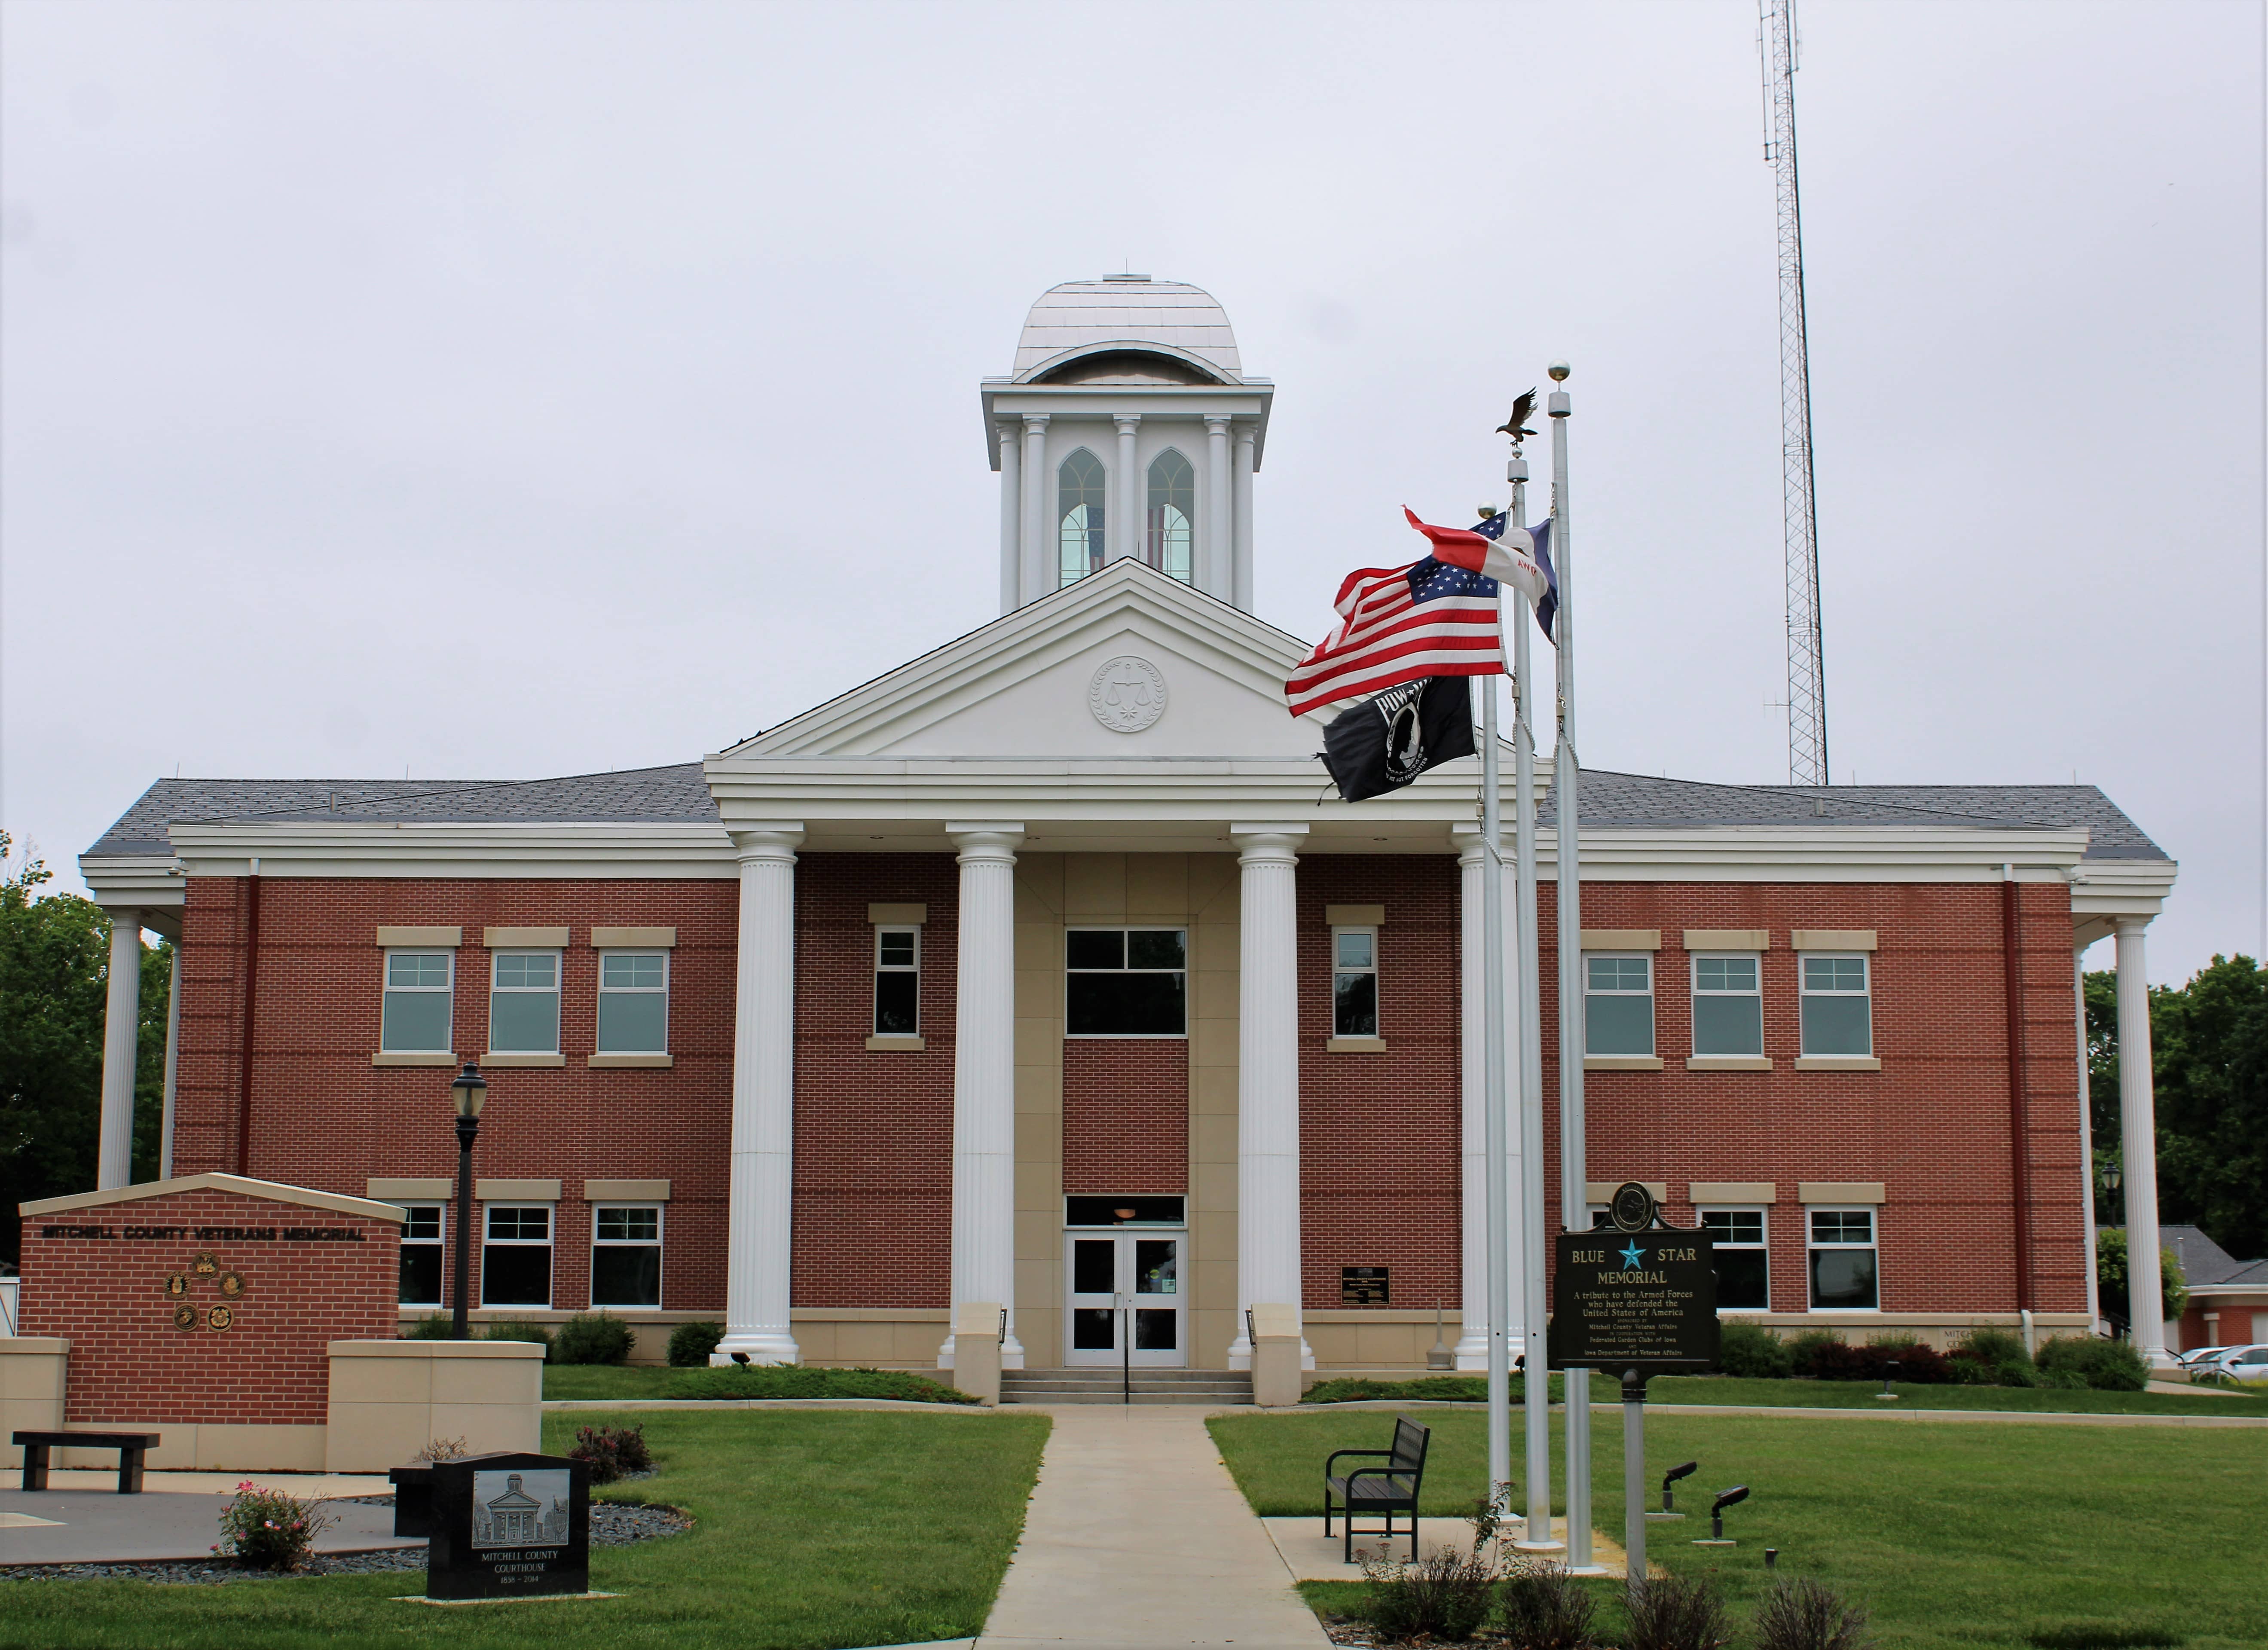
x=1118, y=1276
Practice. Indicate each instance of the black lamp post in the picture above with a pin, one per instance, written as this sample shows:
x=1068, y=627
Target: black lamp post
x=470, y=1092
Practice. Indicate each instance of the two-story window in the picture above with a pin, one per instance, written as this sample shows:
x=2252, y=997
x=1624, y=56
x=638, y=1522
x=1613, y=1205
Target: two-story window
x=626, y=1255
x=1743, y=1258
x=422, y=1248
x=1618, y=1005
x=1126, y=982
x=1728, y=1006
x=524, y=1002
x=516, y=1256
x=414, y=1018
x=633, y=1002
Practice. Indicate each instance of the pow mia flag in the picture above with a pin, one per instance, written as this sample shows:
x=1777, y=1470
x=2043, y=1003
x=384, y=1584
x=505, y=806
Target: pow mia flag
x=1386, y=741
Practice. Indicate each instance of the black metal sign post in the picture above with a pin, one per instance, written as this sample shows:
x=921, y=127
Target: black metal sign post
x=1639, y=1296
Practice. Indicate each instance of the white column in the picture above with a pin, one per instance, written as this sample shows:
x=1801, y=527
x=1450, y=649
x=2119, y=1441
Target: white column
x=1472, y=1344
x=1039, y=544
x=1126, y=537
x=121, y=1043
x=2085, y=1130
x=173, y=1058
x=1240, y=585
x=758, y=1242
x=2138, y=1129
x=1217, y=571
x=1267, y=1077
x=984, y=1079
x=1012, y=518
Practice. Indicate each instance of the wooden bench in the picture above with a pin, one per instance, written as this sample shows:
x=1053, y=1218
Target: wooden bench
x=1388, y=1490
x=131, y=1447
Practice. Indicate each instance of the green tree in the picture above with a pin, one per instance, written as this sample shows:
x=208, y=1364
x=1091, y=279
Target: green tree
x=54, y=962
x=2110, y=1276
x=2209, y=1064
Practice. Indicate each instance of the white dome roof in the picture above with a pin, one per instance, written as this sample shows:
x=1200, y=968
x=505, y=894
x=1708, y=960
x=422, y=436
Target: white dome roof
x=1127, y=314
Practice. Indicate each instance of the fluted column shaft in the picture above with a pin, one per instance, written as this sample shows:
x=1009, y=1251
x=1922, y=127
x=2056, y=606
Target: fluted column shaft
x=1012, y=517
x=1267, y=1076
x=1240, y=581
x=2138, y=1134
x=1127, y=538
x=984, y=1079
x=121, y=1043
x=1215, y=573
x=759, y=1243
x=1472, y=1342
x=1039, y=544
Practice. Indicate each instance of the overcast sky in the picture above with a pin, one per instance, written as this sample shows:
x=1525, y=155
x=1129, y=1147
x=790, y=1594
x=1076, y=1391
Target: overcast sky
x=480, y=390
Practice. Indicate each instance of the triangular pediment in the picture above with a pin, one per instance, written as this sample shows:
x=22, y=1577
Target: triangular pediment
x=1126, y=663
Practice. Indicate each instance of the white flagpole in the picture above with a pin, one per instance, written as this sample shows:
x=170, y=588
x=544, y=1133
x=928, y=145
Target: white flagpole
x=1574, y=1199
x=1493, y=1131
x=1536, y=1389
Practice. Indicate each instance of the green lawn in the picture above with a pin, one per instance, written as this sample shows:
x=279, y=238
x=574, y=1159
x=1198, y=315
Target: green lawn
x=814, y=1530
x=1952, y=1536
x=604, y=1380
x=1846, y=1395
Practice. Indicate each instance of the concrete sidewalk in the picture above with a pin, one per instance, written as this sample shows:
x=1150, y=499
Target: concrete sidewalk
x=1138, y=1539
x=80, y=1525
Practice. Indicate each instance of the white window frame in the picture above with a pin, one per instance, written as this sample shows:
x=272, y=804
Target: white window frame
x=439, y=1244
x=557, y=990
x=1128, y=929
x=1763, y=1245
x=1377, y=998
x=1803, y=960
x=1653, y=1008
x=1693, y=980
x=882, y=967
x=606, y=990
x=659, y=1245
x=447, y=990
x=1873, y=1245
x=549, y=1240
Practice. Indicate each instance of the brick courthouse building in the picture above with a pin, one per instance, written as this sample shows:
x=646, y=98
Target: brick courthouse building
x=1036, y=971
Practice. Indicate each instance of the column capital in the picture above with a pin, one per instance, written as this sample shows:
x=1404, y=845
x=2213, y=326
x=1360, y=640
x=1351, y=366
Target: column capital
x=1219, y=425
x=2130, y=925
x=1471, y=843
x=773, y=840
x=1266, y=844
x=1246, y=433
x=982, y=840
x=1006, y=430
x=1126, y=423
x=1035, y=423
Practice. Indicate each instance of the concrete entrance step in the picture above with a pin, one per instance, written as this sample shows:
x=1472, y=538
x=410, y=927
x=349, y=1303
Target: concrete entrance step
x=1210, y=1387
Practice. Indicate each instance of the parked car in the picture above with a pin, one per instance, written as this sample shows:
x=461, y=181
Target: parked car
x=2239, y=1362
x=2197, y=1356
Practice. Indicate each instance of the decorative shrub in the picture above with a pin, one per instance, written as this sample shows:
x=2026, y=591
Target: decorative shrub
x=2106, y=1365
x=2061, y=1380
x=691, y=1344
x=442, y=1449
x=795, y=1381
x=1971, y=1371
x=1995, y=1347
x=1923, y=1365
x=1675, y=1612
x=1799, y=1614
x=594, y=1337
x=1446, y=1595
x=1540, y=1606
x=1804, y=1350
x=2013, y=1374
x=611, y=1452
x=1753, y=1352
x=434, y=1326
x=268, y=1529
x=535, y=1332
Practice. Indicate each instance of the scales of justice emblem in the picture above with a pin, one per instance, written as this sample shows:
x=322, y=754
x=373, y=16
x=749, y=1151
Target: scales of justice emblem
x=1127, y=694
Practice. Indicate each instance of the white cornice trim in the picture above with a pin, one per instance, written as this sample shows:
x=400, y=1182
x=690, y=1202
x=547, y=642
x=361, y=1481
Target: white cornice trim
x=152, y=881
x=495, y=848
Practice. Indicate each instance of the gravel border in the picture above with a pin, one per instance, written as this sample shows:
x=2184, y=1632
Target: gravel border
x=613, y=1524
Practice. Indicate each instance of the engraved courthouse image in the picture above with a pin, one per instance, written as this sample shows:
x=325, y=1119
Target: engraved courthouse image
x=520, y=1509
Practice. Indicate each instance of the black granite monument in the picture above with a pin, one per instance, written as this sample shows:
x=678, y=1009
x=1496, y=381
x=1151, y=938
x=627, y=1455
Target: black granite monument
x=509, y=1526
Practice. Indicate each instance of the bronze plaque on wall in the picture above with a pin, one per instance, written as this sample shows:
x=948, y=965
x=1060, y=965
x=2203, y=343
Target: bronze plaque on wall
x=1362, y=1285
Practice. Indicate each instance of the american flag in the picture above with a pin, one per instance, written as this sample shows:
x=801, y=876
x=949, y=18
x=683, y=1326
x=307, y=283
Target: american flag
x=1399, y=624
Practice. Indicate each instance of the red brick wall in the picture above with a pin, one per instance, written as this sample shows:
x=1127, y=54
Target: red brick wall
x=1126, y=1116
x=874, y=1128
x=130, y=1363
x=1379, y=1176
x=1932, y=1125
x=323, y=1117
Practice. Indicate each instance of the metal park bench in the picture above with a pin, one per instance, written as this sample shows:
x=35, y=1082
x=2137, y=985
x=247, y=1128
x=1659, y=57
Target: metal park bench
x=1386, y=1490
x=131, y=1447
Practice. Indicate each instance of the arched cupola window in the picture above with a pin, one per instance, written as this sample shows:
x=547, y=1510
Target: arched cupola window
x=1079, y=515
x=1167, y=545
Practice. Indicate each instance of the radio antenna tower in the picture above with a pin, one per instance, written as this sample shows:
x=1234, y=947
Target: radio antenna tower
x=1806, y=663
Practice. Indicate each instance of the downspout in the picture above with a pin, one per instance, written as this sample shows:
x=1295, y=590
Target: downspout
x=2019, y=1144
x=172, y=1053
x=251, y=985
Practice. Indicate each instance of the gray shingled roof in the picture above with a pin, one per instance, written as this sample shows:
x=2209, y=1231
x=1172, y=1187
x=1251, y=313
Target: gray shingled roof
x=2205, y=1261
x=635, y=796
x=1641, y=799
